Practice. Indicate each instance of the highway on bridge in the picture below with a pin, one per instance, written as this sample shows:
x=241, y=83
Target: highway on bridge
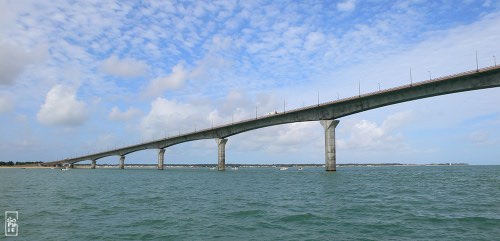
x=327, y=113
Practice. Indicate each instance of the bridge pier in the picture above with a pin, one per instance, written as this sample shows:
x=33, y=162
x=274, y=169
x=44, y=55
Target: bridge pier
x=221, y=165
x=92, y=166
x=161, y=157
x=330, y=158
x=121, y=165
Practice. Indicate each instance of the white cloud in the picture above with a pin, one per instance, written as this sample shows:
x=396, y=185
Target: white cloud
x=127, y=67
x=287, y=138
x=7, y=16
x=15, y=59
x=5, y=104
x=238, y=104
x=166, y=117
x=171, y=82
x=61, y=108
x=313, y=40
x=487, y=3
x=369, y=135
x=210, y=67
x=364, y=134
x=397, y=120
x=346, y=6
x=21, y=118
x=118, y=115
x=481, y=137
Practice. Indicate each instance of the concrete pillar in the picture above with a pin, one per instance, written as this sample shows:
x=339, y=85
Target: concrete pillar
x=71, y=165
x=121, y=165
x=92, y=166
x=161, y=156
x=330, y=159
x=221, y=142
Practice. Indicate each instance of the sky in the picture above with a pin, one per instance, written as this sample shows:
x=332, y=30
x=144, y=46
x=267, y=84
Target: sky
x=78, y=77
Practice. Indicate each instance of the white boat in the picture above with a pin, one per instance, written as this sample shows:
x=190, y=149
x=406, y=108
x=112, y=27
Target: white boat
x=212, y=168
x=283, y=168
x=64, y=169
x=300, y=168
x=234, y=168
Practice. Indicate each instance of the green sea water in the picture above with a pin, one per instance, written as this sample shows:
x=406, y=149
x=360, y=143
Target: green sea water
x=359, y=203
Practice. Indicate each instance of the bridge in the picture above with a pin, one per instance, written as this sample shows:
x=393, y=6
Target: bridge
x=326, y=113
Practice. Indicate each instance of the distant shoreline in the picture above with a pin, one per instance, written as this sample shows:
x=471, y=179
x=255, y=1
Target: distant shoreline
x=26, y=166
x=151, y=166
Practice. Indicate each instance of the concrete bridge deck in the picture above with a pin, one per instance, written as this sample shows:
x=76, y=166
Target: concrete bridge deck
x=467, y=81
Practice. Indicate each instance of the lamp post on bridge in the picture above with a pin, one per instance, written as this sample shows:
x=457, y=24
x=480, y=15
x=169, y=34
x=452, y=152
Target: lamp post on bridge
x=359, y=88
x=477, y=63
x=318, y=97
x=495, y=60
x=411, y=79
x=430, y=77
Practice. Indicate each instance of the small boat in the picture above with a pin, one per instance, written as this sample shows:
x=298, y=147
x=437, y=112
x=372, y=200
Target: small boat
x=64, y=169
x=300, y=168
x=283, y=168
x=234, y=168
x=212, y=168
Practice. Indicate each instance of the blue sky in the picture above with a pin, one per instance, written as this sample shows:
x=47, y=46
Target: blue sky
x=85, y=76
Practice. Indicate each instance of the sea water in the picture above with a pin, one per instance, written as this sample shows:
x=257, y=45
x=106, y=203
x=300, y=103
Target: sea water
x=369, y=203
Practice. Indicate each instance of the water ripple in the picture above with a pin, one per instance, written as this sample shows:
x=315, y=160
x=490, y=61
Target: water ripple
x=386, y=203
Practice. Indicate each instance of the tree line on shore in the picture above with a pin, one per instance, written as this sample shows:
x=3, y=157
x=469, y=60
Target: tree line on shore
x=11, y=163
